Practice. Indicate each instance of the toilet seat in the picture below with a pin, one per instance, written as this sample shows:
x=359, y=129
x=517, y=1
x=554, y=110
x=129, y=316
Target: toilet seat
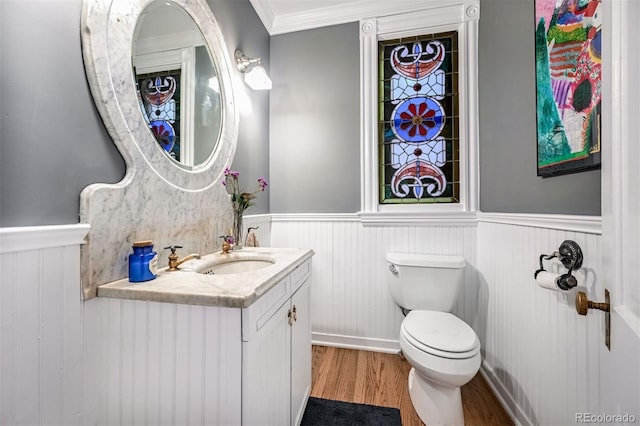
x=440, y=334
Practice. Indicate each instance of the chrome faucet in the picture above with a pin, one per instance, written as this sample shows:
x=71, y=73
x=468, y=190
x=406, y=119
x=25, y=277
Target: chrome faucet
x=174, y=261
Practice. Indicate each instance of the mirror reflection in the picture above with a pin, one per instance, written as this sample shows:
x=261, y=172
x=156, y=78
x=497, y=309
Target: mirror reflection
x=177, y=83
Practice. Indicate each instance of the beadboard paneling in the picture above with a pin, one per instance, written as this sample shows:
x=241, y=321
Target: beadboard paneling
x=105, y=361
x=41, y=316
x=540, y=356
x=351, y=305
x=102, y=361
x=170, y=364
x=263, y=223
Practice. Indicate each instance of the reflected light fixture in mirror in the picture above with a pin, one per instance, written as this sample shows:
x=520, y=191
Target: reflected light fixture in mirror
x=254, y=74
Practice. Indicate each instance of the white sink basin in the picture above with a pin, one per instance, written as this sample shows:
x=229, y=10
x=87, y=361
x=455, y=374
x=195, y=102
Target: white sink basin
x=235, y=262
x=234, y=267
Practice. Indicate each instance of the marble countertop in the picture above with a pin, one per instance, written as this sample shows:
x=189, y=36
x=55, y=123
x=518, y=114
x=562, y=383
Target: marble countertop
x=187, y=286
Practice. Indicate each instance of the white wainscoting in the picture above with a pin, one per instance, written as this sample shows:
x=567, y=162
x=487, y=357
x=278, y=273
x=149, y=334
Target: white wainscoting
x=104, y=361
x=41, y=325
x=164, y=363
x=350, y=303
x=263, y=223
x=538, y=354
x=64, y=361
x=540, y=357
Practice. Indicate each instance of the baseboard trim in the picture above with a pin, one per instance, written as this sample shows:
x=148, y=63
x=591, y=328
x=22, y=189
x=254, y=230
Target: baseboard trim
x=504, y=397
x=353, y=342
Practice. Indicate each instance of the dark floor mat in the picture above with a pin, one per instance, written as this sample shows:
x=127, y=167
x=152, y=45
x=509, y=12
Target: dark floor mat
x=325, y=412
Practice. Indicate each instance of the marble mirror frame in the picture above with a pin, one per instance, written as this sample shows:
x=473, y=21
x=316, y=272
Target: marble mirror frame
x=157, y=199
x=108, y=28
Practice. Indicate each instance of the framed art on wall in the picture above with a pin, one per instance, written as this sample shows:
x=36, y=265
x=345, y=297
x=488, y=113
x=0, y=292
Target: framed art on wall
x=568, y=85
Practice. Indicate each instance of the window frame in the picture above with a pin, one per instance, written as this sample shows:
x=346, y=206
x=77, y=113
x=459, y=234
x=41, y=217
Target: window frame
x=461, y=16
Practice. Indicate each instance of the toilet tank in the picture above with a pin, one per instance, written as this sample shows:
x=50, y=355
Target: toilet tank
x=424, y=281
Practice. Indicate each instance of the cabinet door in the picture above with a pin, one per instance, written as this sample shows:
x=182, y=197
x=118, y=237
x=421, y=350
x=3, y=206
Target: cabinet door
x=300, y=353
x=266, y=373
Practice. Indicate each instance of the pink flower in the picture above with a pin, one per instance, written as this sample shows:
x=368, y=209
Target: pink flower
x=263, y=183
x=240, y=200
x=229, y=172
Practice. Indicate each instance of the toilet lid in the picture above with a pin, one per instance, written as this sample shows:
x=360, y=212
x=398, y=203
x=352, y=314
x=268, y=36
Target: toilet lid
x=441, y=331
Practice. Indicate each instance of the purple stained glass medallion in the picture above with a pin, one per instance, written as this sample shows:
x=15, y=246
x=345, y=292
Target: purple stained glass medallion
x=418, y=119
x=164, y=134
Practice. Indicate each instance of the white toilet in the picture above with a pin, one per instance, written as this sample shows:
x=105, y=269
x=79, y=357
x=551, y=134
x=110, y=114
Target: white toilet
x=443, y=350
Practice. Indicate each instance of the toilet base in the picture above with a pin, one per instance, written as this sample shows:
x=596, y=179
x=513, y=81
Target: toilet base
x=435, y=404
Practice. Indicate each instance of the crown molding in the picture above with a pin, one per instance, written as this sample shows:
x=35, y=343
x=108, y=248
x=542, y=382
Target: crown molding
x=351, y=11
x=265, y=13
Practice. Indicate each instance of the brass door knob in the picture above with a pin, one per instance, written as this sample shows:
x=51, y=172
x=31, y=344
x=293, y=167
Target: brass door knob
x=583, y=304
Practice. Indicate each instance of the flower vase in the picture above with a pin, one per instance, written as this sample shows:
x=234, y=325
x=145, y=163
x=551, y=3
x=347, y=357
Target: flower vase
x=237, y=230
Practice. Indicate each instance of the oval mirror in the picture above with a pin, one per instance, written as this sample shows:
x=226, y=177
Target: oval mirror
x=160, y=75
x=177, y=83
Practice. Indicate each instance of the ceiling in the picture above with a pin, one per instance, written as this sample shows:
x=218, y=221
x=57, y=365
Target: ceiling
x=284, y=16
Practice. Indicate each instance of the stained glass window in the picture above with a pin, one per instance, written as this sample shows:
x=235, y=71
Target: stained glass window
x=159, y=96
x=418, y=119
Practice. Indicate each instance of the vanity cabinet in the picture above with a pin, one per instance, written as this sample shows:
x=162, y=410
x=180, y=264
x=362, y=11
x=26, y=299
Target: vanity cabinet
x=192, y=348
x=276, y=353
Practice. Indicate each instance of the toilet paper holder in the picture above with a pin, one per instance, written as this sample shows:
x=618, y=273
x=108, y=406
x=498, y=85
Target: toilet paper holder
x=570, y=255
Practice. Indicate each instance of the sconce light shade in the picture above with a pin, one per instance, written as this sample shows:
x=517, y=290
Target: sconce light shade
x=254, y=74
x=258, y=79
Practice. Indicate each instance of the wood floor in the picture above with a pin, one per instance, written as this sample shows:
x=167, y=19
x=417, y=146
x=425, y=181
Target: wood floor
x=381, y=379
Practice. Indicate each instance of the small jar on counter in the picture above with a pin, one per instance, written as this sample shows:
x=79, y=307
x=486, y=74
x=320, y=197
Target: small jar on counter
x=143, y=262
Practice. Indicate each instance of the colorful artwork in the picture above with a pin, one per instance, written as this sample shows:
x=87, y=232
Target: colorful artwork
x=419, y=120
x=157, y=95
x=568, y=84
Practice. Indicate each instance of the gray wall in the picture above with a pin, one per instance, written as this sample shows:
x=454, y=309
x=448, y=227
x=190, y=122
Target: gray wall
x=508, y=181
x=52, y=140
x=53, y=143
x=314, y=121
x=315, y=115
x=242, y=29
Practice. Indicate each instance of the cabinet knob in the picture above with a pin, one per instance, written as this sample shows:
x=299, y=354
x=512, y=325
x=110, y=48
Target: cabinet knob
x=290, y=317
x=295, y=313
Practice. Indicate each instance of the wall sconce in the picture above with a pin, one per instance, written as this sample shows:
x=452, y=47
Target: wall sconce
x=254, y=74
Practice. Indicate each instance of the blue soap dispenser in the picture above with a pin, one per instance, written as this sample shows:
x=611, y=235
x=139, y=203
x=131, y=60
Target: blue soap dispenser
x=143, y=262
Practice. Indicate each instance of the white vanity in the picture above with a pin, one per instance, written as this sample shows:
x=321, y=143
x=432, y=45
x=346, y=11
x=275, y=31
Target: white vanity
x=225, y=349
